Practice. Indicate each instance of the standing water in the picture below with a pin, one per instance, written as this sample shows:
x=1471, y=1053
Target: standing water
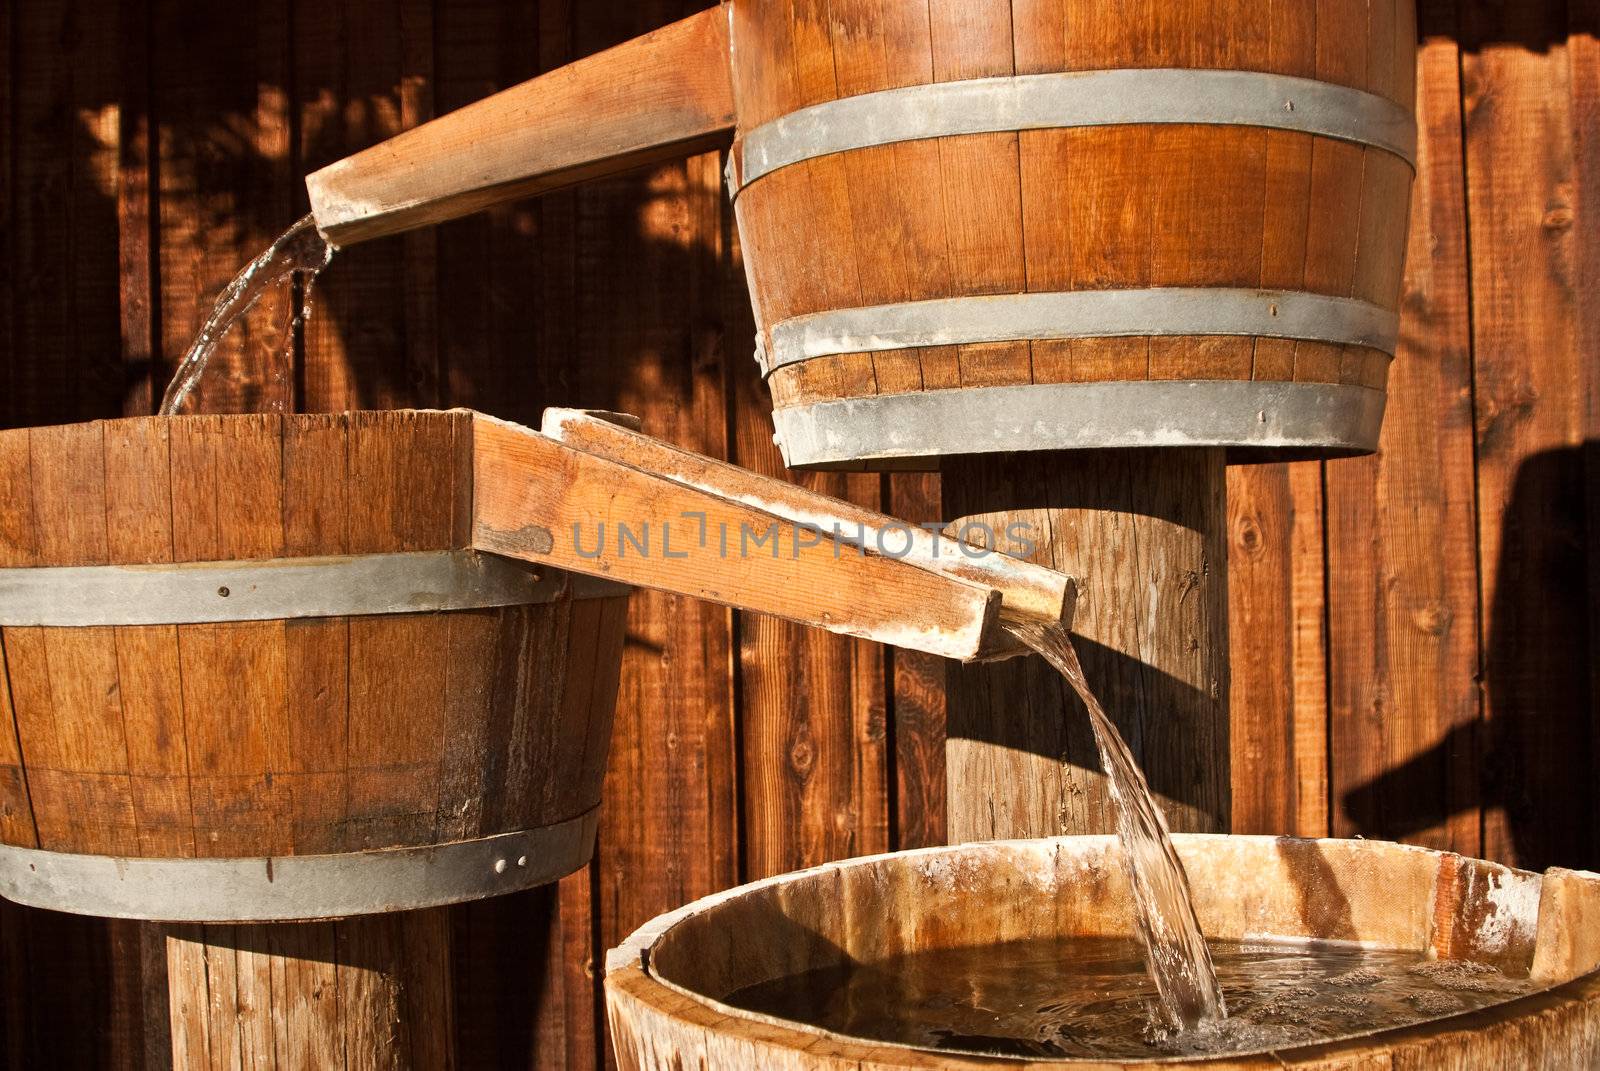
x=300, y=248
x=1176, y=956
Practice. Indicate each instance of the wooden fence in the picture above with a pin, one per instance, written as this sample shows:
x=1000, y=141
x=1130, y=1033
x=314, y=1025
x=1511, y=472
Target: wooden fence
x=1416, y=635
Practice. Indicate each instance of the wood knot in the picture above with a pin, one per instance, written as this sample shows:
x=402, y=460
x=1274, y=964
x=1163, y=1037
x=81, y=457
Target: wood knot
x=802, y=755
x=1558, y=219
x=1432, y=620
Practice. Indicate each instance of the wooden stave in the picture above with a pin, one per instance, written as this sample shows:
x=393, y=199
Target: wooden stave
x=779, y=68
x=545, y=760
x=658, y=1023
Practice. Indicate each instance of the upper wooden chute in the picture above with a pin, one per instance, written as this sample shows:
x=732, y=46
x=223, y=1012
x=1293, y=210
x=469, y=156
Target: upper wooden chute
x=661, y=96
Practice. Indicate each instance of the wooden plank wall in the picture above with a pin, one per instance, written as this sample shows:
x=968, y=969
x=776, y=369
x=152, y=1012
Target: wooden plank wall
x=1416, y=635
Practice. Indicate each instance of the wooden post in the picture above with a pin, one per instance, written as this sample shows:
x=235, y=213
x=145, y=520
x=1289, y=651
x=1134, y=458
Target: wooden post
x=360, y=993
x=1143, y=531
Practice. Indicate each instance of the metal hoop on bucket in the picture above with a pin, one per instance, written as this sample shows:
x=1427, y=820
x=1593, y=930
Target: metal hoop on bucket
x=296, y=887
x=1082, y=314
x=214, y=592
x=915, y=429
x=1074, y=99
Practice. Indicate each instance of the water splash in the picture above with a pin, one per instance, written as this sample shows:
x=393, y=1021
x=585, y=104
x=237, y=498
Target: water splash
x=301, y=248
x=1176, y=955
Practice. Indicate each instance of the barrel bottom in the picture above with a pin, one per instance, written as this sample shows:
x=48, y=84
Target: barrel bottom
x=1255, y=420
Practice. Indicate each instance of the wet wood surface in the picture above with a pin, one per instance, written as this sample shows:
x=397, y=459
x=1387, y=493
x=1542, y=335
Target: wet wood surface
x=1442, y=599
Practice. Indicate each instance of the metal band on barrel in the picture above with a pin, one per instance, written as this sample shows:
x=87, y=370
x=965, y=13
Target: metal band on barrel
x=206, y=592
x=294, y=887
x=1082, y=314
x=923, y=425
x=1066, y=100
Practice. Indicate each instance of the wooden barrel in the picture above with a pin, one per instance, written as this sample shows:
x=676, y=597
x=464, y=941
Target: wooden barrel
x=664, y=985
x=1032, y=225
x=252, y=672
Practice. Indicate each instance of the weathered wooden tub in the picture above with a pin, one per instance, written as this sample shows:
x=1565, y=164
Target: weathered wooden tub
x=257, y=672
x=663, y=985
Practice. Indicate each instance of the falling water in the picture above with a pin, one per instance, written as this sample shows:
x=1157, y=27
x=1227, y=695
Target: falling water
x=1176, y=956
x=300, y=248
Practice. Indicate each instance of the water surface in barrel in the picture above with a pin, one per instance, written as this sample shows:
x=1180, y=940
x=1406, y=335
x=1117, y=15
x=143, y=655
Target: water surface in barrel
x=1176, y=955
x=301, y=248
x=1089, y=997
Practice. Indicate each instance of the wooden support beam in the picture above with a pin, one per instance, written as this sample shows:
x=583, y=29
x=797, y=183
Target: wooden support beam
x=664, y=95
x=1145, y=530
x=355, y=994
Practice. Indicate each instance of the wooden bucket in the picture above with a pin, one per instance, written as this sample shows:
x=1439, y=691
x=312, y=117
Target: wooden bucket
x=253, y=672
x=663, y=986
x=1001, y=225
x=1036, y=225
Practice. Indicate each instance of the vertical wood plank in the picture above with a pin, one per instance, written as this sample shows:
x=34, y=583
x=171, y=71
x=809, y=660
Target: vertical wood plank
x=63, y=69
x=1584, y=45
x=1402, y=560
x=138, y=470
x=1277, y=691
x=917, y=696
x=227, y=505
x=363, y=73
x=1532, y=382
x=505, y=300
x=136, y=172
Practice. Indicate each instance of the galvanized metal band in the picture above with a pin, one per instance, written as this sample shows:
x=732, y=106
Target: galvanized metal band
x=1076, y=99
x=202, y=592
x=1076, y=416
x=293, y=887
x=1082, y=314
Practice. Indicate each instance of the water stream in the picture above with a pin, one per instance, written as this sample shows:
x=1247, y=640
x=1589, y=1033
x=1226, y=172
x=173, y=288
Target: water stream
x=1176, y=956
x=301, y=248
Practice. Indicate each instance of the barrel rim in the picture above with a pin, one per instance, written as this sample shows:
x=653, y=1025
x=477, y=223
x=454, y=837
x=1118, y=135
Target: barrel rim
x=922, y=426
x=1074, y=99
x=290, y=888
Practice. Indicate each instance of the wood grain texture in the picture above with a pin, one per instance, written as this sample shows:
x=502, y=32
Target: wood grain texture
x=1145, y=533
x=651, y=99
x=813, y=747
x=1531, y=380
x=604, y=297
x=1402, y=565
x=364, y=73
x=1278, y=716
x=284, y=737
x=1086, y=208
x=541, y=501
x=670, y=1015
x=220, y=102
x=63, y=150
x=358, y=994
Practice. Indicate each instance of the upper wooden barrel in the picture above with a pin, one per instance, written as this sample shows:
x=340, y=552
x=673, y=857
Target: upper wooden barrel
x=306, y=687
x=980, y=225
x=665, y=986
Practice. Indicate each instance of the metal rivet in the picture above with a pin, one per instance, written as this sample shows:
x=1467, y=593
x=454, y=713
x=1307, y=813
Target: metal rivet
x=522, y=860
x=499, y=866
x=223, y=592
